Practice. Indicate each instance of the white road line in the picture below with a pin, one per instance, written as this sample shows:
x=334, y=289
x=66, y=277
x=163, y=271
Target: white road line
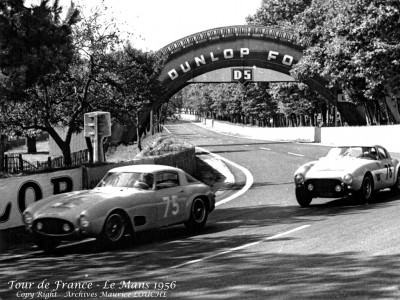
x=240, y=247
x=249, y=177
x=263, y=148
x=295, y=154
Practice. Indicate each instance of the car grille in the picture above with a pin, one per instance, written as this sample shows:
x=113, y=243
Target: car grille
x=53, y=226
x=324, y=186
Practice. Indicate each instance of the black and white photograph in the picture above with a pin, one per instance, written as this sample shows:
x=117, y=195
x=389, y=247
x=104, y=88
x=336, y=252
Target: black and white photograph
x=206, y=150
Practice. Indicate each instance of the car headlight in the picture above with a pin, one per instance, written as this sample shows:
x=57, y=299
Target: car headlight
x=39, y=226
x=84, y=221
x=28, y=218
x=299, y=178
x=66, y=227
x=348, y=179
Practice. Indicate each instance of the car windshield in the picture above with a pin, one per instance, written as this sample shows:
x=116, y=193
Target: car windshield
x=127, y=179
x=355, y=152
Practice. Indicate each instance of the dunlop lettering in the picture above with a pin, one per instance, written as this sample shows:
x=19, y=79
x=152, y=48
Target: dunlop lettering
x=226, y=54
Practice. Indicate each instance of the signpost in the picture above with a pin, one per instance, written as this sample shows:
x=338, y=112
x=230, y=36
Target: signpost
x=97, y=126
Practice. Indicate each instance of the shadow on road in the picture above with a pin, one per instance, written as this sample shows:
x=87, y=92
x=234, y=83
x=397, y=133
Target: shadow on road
x=241, y=275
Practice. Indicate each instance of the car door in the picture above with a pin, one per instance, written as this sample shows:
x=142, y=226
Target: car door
x=171, y=197
x=387, y=168
x=142, y=210
x=374, y=165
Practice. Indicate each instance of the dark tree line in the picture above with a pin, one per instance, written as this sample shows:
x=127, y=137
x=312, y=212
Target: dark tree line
x=261, y=104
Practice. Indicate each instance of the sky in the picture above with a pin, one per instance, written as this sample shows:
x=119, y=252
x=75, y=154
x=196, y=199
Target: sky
x=156, y=23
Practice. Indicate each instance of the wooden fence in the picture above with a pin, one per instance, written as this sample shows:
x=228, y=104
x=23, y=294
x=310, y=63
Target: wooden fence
x=14, y=163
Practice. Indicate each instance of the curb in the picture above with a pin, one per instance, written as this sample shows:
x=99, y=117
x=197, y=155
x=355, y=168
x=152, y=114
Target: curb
x=221, y=167
x=248, y=181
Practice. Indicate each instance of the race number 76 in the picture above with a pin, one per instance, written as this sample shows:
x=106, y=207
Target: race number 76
x=172, y=205
x=389, y=172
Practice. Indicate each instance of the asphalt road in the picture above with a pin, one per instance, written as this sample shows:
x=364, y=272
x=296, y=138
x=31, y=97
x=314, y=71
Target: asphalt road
x=260, y=245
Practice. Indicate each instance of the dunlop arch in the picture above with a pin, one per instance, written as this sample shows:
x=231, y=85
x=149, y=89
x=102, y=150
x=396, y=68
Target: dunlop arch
x=270, y=48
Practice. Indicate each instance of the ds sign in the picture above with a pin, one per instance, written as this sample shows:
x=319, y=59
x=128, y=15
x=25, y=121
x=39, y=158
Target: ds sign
x=242, y=75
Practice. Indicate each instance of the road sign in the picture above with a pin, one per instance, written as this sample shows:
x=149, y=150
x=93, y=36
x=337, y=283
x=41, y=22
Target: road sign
x=242, y=75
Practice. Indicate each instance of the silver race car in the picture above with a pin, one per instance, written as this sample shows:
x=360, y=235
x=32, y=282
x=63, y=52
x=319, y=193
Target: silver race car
x=355, y=170
x=127, y=200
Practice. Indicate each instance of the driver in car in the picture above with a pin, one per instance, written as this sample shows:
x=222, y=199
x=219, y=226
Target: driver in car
x=145, y=182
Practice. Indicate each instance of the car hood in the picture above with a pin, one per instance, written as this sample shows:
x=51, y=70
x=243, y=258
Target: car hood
x=337, y=167
x=73, y=203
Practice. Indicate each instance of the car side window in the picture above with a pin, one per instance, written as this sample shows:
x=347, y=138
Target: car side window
x=382, y=153
x=369, y=153
x=190, y=179
x=166, y=179
x=145, y=181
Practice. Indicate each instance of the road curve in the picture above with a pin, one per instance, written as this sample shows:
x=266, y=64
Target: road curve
x=259, y=245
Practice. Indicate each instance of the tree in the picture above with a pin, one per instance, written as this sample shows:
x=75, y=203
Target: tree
x=282, y=14
x=221, y=95
x=299, y=103
x=278, y=12
x=34, y=44
x=258, y=103
x=60, y=99
x=175, y=104
x=223, y=100
x=197, y=97
x=354, y=44
x=133, y=86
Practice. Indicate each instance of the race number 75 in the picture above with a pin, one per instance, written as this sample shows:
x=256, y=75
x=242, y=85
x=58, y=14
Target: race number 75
x=172, y=205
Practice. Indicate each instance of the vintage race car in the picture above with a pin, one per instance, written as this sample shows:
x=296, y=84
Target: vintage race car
x=355, y=170
x=128, y=199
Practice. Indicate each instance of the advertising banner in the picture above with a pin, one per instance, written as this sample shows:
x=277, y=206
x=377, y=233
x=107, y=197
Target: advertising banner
x=16, y=193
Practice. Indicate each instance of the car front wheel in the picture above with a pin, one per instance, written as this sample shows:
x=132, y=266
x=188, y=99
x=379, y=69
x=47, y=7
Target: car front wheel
x=198, y=215
x=113, y=229
x=302, y=197
x=366, y=192
x=396, y=187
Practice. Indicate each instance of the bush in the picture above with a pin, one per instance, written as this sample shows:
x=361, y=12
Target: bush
x=164, y=145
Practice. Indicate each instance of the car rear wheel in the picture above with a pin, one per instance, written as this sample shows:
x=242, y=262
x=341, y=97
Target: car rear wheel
x=198, y=215
x=366, y=193
x=302, y=197
x=114, y=228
